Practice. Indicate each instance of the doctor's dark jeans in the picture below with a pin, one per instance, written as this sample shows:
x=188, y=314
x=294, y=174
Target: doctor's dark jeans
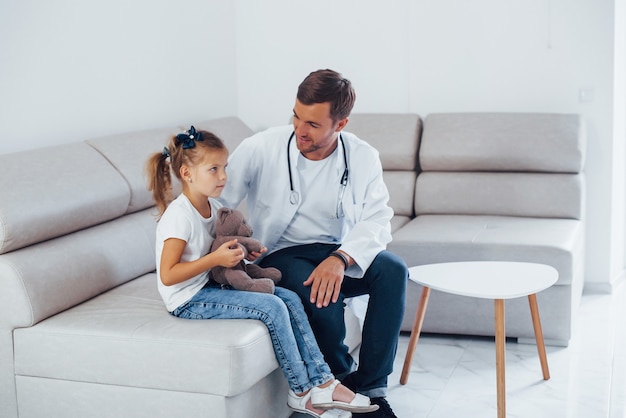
x=384, y=282
x=294, y=344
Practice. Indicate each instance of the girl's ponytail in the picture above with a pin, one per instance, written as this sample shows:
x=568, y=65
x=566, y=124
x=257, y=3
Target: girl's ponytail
x=160, y=179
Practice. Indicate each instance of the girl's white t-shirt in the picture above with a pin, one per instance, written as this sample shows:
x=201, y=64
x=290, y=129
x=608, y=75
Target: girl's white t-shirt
x=181, y=220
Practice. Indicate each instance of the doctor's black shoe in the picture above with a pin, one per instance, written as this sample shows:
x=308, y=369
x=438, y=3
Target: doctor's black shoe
x=348, y=382
x=384, y=410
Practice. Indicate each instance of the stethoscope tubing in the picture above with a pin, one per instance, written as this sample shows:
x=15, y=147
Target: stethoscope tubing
x=293, y=196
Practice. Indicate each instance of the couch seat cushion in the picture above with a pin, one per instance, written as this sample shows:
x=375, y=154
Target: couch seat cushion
x=126, y=337
x=431, y=239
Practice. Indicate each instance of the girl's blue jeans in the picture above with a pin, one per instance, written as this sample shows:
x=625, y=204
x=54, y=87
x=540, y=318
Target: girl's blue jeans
x=282, y=313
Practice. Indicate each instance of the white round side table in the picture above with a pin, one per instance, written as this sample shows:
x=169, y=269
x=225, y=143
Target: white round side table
x=497, y=280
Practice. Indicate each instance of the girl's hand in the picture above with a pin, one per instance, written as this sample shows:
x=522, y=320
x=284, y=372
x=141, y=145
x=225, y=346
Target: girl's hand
x=229, y=254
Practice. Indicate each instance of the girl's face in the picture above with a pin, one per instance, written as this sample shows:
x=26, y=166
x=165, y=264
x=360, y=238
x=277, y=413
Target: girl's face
x=208, y=178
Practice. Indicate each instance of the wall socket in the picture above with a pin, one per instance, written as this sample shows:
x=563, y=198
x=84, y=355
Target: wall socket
x=585, y=95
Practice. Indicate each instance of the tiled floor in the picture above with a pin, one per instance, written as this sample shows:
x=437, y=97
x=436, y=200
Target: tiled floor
x=455, y=376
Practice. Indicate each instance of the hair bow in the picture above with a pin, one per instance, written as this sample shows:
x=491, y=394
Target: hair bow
x=187, y=139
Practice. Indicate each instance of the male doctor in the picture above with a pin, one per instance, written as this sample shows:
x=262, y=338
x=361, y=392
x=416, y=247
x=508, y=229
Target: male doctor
x=317, y=200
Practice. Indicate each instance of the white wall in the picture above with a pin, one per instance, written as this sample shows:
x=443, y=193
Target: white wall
x=452, y=55
x=72, y=69
x=619, y=157
x=281, y=41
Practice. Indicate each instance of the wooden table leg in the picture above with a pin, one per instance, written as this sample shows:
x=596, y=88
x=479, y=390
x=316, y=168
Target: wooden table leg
x=541, y=347
x=500, y=357
x=415, y=333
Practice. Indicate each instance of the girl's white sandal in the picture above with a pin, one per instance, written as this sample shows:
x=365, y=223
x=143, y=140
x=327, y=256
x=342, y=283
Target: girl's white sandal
x=298, y=404
x=322, y=398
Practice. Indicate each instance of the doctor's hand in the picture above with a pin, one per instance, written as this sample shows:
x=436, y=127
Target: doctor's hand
x=253, y=255
x=325, y=282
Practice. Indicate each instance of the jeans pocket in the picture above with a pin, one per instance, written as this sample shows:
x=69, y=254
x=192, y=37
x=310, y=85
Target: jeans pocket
x=184, y=312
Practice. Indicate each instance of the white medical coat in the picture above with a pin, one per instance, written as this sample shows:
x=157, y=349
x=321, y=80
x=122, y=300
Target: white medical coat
x=258, y=172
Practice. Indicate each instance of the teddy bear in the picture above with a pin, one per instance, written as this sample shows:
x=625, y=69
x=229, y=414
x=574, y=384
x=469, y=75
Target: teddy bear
x=230, y=224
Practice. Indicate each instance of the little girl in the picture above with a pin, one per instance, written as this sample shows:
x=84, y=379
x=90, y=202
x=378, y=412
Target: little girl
x=184, y=235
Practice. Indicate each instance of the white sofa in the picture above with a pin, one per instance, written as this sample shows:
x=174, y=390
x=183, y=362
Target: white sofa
x=84, y=332
x=487, y=186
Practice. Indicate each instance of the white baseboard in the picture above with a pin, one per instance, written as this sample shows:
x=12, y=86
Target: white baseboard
x=605, y=288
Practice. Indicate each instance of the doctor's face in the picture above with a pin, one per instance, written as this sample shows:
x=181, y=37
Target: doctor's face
x=316, y=132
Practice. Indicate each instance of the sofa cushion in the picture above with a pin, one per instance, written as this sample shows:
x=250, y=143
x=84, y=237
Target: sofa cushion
x=503, y=142
x=431, y=239
x=49, y=192
x=395, y=136
x=544, y=195
x=43, y=279
x=401, y=186
x=128, y=153
x=126, y=337
x=398, y=222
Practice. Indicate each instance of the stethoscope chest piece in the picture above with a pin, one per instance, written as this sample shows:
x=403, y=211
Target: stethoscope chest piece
x=294, y=197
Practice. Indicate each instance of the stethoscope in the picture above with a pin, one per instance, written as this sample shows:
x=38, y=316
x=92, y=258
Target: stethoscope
x=294, y=196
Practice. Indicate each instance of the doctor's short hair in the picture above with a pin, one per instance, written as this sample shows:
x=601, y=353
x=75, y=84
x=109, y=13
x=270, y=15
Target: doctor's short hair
x=323, y=86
